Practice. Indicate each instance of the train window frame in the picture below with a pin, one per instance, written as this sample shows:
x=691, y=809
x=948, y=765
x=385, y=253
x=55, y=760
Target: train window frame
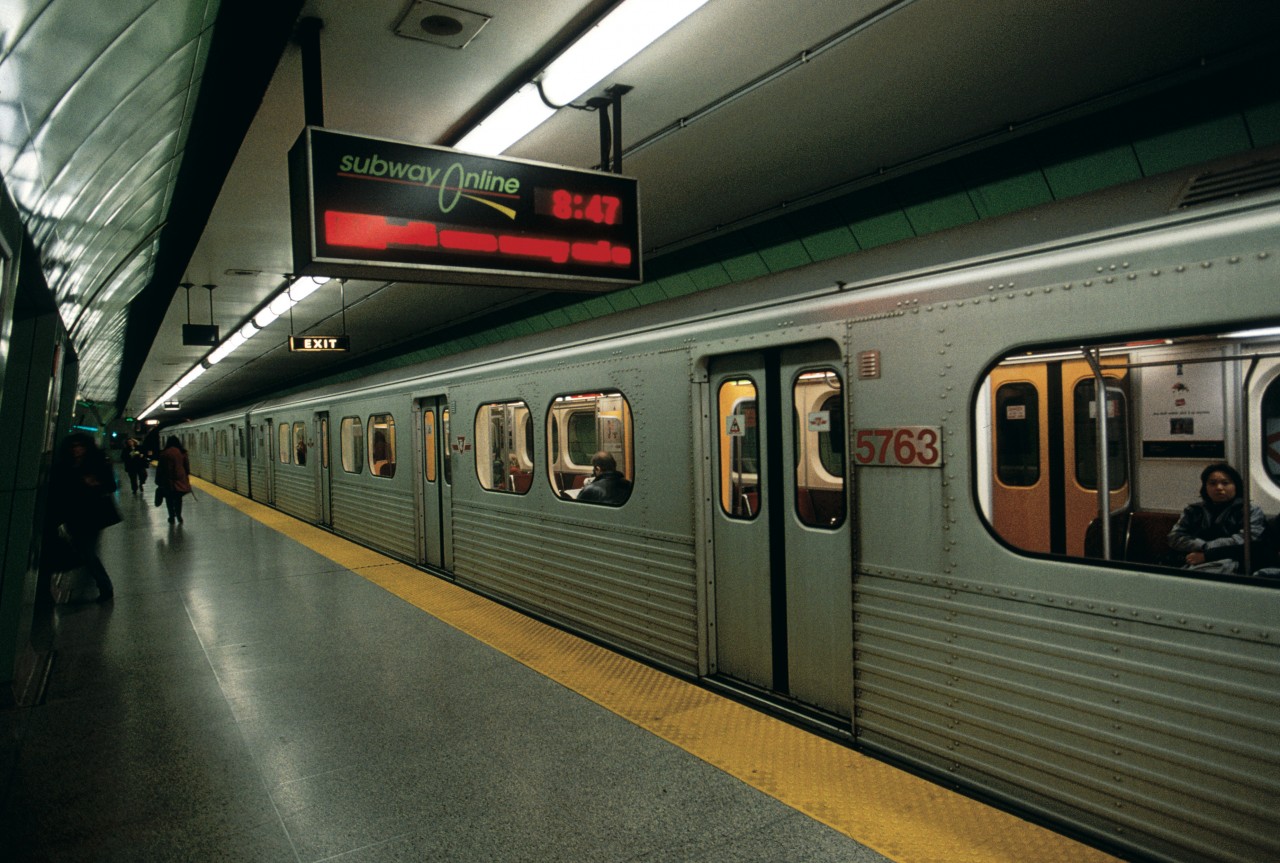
x=736, y=504
x=300, y=444
x=381, y=427
x=429, y=444
x=829, y=511
x=612, y=431
x=284, y=437
x=351, y=444
x=504, y=459
x=446, y=465
x=1269, y=430
x=1031, y=417
x=1182, y=401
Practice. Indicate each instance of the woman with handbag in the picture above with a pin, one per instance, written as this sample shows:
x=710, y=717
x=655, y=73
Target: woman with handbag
x=83, y=503
x=173, y=476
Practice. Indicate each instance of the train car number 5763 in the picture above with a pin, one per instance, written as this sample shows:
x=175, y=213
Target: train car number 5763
x=901, y=446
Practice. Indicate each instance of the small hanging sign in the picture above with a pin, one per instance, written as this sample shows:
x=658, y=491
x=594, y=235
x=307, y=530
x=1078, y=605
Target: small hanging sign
x=319, y=344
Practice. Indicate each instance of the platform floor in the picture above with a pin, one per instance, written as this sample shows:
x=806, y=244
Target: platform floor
x=261, y=690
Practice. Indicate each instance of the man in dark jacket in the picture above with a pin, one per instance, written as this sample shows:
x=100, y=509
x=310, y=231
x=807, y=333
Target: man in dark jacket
x=609, y=486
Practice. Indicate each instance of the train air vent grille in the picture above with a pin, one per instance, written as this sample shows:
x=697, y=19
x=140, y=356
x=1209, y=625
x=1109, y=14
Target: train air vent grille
x=1248, y=179
x=868, y=365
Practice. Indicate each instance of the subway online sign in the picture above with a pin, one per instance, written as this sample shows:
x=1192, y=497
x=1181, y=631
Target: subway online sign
x=372, y=208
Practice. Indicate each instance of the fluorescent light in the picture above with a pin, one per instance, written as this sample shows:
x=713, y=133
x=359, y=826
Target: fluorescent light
x=1253, y=334
x=224, y=350
x=622, y=34
x=249, y=330
x=305, y=287
x=264, y=318
x=190, y=376
x=523, y=112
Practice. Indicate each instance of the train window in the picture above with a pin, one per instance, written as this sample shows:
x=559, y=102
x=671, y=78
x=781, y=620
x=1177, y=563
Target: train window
x=300, y=443
x=351, y=444
x=819, y=449
x=429, y=444
x=593, y=461
x=1270, y=429
x=324, y=442
x=1172, y=406
x=448, y=449
x=504, y=453
x=739, y=449
x=1017, y=434
x=239, y=442
x=286, y=447
x=1086, y=435
x=382, y=445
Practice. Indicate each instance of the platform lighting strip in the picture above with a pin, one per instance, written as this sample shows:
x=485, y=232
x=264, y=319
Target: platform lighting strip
x=282, y=302
x=627, y=30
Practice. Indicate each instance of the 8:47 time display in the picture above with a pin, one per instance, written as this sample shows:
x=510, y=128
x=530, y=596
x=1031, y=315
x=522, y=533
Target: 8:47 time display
x=574, y=206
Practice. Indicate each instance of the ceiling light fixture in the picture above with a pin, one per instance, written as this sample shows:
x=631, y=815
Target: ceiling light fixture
x=293, y=292
x=627, y=30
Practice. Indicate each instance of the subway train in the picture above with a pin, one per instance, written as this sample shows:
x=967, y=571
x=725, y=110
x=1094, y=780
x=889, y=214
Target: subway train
x=869, y=494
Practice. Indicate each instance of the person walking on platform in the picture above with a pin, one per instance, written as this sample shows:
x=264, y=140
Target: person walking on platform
x=82, y=503
x=173, y=477
x=135, y=464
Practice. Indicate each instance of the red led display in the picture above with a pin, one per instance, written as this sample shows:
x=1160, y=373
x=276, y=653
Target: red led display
x=356, y=230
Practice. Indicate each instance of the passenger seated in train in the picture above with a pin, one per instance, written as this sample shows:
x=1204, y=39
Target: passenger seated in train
x=1210, y=533
x=607, y=484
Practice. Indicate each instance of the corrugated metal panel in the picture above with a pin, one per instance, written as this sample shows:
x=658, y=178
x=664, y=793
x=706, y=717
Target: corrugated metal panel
x=379, y=513
x=224, y=471
x=295, y=491
x=258, y=476
x=1166, y=732
x=242, y=476
x=635, y=589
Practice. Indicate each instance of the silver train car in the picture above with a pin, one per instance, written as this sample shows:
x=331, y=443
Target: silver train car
x=869, y=493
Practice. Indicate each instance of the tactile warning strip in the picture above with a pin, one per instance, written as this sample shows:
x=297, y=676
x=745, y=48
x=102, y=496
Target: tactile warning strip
x=899, y=815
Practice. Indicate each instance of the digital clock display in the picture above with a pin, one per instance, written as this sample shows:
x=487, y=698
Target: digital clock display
x=569, y=205
x=372, y=208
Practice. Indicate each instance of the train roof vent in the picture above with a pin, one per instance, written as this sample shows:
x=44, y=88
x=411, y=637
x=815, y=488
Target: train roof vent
x=1250, y=179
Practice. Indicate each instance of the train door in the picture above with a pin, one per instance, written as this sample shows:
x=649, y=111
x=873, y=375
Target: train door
x=269, y=459
x=1044, y=448
x=782, y=560
x=436, y=480
x=322, y=440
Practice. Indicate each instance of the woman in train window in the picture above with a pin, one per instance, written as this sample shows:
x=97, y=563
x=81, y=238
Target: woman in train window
x=1210, y=532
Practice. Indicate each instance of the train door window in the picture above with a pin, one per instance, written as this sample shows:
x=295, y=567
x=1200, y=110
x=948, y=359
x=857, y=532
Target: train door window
x=739, y=448
x=1017, y=434
x=382, y=445
x=239, y=443
x=286, y=446
x=324, y=442
x=448, y=451
x=595, y=451
x=1270, y=429
x=819, y=449
x=300, y=443
x=429, y=443
x=351, y=444
x=1086, y=436
x=503, y=450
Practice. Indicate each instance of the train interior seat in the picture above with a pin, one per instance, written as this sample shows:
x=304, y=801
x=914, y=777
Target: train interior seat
x=1137, y=536
x=820, y=506
x=520, y=480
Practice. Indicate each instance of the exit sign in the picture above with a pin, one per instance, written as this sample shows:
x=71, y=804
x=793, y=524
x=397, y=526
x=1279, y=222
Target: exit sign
x=319, y=344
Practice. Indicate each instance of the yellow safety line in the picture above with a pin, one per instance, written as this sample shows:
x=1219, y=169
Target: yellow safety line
x=903, y=817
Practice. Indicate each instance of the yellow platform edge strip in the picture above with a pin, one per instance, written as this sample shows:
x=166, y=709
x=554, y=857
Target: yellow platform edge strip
x=903, y=817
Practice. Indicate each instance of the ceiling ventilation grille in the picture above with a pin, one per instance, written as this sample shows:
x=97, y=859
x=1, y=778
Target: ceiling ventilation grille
x=1248, y=179
x=440, y=24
